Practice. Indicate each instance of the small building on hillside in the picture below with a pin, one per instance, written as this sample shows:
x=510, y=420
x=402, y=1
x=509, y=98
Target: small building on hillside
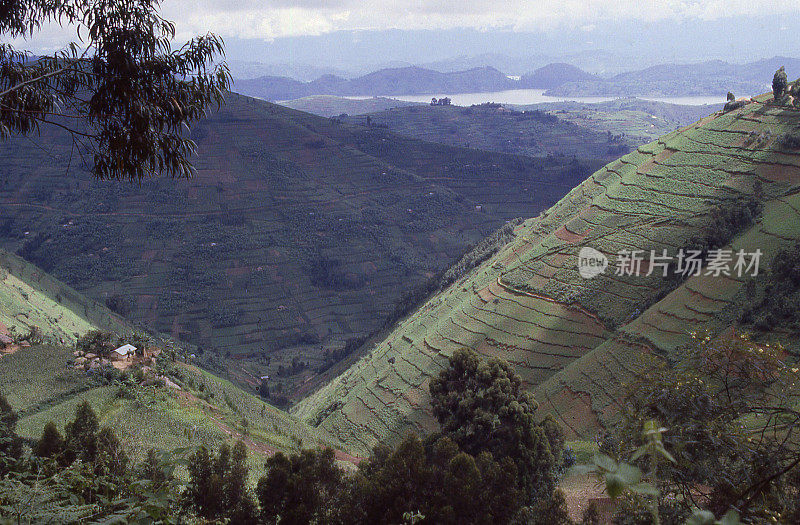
x=123, y=352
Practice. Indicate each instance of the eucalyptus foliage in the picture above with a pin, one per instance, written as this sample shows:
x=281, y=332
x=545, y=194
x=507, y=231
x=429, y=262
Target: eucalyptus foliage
x=120, y=89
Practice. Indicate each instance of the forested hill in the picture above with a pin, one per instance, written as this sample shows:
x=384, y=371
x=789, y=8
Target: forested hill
x=297, y=234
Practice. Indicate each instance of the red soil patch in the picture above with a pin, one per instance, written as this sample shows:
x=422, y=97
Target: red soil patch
x=567, y=236
x=578, y=416
x=645, y=167
x=779, y=173
x=485, y=294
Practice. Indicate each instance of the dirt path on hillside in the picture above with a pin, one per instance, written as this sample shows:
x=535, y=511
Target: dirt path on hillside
x=579, y=489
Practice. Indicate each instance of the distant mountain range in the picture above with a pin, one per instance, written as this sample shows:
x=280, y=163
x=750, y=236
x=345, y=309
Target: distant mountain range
x=393, y=81
x=560, y=79
x=706, y=78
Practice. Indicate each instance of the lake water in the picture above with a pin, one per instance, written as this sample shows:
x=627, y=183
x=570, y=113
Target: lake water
x=523, y=97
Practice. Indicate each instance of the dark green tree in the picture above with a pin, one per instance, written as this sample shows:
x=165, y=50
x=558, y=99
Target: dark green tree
x=298, y=488
x=217, y=487
x=240, y=506
x=51, y=444
x=96, y=342
x=482, y=407
x=779, y=83
x=111, y=459
x=550, y=511
x=152, y=468
x=433, y=478
x=121, y=91
x=202, y=493
x=263, y=389
x=80, y=436
x=10, y=443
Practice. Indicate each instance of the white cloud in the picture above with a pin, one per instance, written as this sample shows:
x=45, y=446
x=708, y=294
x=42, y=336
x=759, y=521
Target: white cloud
x=278, y=18
x=275, y=18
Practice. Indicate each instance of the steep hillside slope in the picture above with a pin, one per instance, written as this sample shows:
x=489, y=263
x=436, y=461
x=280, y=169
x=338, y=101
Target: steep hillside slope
x=576, y=341
x=30, y=299
x=297, y=231
x=196, y=409
x=37, y=379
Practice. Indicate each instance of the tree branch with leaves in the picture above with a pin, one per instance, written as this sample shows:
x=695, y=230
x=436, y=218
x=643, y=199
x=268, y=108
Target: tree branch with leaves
x=120, y=90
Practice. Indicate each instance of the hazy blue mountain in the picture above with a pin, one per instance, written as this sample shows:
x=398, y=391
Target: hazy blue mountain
x=396, y=81
x=712, y=77
x=554, y=75
x=247, y=69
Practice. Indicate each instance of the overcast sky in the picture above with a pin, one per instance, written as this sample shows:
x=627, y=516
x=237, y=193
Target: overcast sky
x=277, y=18
x=351, y=37
x=272, y=19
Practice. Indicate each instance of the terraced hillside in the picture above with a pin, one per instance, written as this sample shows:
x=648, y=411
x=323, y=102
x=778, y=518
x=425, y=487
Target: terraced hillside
x=496, y=128
x=576, y=342
x=297, y=234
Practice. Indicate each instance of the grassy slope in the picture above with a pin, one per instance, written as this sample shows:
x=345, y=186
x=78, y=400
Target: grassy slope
x=228, y=260
x=40, y=386
x=497, y=129
x=529, y=306
x=30, y=298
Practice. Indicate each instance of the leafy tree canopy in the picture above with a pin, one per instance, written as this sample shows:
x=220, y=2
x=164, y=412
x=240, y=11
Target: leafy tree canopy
x=482, y=407
x=728, y=410
x=120, y=90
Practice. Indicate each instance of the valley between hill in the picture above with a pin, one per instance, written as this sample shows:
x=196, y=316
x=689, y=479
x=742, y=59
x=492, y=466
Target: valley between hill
x=297, y=235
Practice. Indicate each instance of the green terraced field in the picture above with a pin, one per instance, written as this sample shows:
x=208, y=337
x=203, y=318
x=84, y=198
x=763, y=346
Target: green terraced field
x=297, y=234
x=577, y=342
